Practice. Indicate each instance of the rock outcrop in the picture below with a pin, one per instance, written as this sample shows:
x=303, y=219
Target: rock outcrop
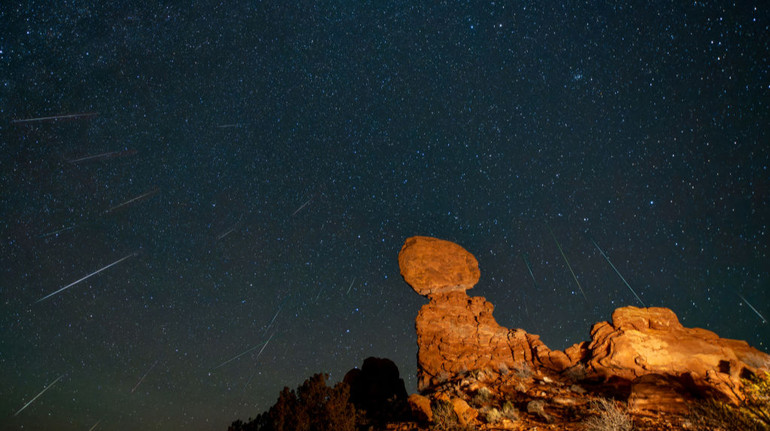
x=433, y=266
x=644, y=356
x=651, y=342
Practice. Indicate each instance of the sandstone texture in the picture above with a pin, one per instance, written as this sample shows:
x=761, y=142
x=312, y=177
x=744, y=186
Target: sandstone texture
x=433, y=266
x=651, y=341
x=644, y=358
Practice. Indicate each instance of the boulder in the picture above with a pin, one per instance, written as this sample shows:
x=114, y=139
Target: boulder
x=432, y=266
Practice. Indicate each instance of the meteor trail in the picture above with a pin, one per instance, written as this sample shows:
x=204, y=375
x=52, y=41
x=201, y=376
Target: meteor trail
x=273, y=319
x=301, y=206
x=251, y=349
x=87, y=276
x=529, y=268
x=351, y=286
x=56, y=117
x=143, y=195
x=56, y=232
x=618, y=272
x=753, y=309
x=38, y=395
x=103, y=156
x=565, y=260
x=145, y=375
x=231, y=230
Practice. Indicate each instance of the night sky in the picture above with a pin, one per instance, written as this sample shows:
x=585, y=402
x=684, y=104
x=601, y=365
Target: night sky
x=253, y=169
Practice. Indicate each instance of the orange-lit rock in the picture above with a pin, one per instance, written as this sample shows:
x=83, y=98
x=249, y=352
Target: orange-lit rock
x=651, y=341
x=457, y=333
x=644, y=357
x=433, y=266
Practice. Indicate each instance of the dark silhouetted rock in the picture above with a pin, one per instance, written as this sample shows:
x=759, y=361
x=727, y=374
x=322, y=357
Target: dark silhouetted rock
x=378, y=389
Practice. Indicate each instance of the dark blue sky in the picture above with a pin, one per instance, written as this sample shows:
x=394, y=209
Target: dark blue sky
x=287, y=151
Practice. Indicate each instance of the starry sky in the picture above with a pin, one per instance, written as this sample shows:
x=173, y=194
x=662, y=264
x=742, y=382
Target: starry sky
x=231, y=196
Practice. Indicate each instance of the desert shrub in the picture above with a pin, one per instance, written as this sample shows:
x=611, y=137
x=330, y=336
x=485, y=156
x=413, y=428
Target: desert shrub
x=493, y=416
x=482, y=397
x=509, y=411
x=523, y=371
x=503, y=368
x=752, y=414
x=610, y=418
x=442, y=377
x=444, y=416
x=312, y=407
x=576, y=373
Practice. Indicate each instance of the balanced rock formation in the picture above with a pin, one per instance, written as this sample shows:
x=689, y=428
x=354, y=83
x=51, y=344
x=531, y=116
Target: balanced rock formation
x=433, y=266
x=457, y=333
x=644, y=356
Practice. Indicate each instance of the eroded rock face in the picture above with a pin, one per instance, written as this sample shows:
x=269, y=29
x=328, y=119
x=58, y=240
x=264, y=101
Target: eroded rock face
x=650, y=358
x=433, y=266
x=651, y=341
x=457, y=333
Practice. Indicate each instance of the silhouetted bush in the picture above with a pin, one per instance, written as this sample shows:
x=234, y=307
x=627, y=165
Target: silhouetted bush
x=312, y=407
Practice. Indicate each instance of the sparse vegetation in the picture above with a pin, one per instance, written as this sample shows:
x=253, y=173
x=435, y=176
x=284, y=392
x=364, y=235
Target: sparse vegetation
x=509, y=411
x=523, y=371
x=753, y=414
x=442, y=377
x=610, y=417
x=503, y=369
x=482, y=397
x=444, y=416
x=576, y=373
x=312, y=407
x=493, y=416
x=537, y=407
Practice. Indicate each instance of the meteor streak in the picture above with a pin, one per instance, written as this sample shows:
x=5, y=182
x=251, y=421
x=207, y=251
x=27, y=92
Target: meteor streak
x=103, y=156
x=87, y=276
x=132, y=200
x=145, y=375
x=251, y=349
x=56, y=117
x=56, y=232
x=301, y=206
x=529, y=268
x=567, y=262
x=351, y=286
x=38, y=395
x=273, y=319
x=753, y=309
x=618, y=272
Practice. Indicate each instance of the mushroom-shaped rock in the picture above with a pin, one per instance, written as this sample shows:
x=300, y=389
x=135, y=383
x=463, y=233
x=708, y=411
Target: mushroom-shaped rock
x=433, y=266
